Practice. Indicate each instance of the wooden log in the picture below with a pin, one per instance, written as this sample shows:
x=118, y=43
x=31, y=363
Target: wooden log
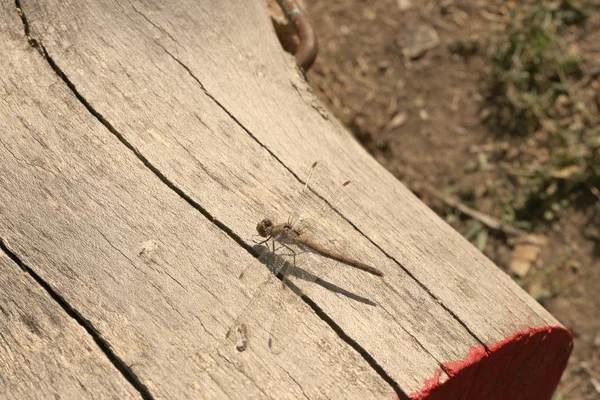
x=141, y=144
x=45, y=352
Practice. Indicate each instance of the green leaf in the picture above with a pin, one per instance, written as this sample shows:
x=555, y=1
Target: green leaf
x=482, y=239
x=472, y=229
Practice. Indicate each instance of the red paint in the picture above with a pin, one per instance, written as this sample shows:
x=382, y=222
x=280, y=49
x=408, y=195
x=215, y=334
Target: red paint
x=431, y=383
x=526, y=365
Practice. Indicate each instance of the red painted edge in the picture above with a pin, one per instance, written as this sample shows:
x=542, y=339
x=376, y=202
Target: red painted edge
x=526, y=365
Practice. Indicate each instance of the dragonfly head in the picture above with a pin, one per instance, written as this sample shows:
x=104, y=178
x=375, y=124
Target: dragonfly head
x=264, y=227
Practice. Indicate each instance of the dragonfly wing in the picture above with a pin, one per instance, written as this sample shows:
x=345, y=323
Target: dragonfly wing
x=318, y=199
x=266, y=257
x=271, y=303
x=268, y=322
x=274, y=311
x=314, y=210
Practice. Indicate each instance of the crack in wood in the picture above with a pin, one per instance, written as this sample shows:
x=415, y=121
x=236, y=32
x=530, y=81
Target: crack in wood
x=359, y=349
x=104, y=346
x=427, y=290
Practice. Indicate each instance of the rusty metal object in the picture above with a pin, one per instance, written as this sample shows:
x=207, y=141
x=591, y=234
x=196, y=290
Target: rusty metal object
x=308, y=47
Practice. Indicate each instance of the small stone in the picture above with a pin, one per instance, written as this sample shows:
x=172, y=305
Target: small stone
x=520, y=268
x=460, y=130
x=418, y=40
x=398, y=120
x=522, y=257
x=404, y=5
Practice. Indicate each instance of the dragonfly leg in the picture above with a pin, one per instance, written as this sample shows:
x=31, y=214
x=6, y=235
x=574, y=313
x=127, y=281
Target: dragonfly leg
x=275, y=270
x=258, y=242
x=285, y=272
x=262, y=241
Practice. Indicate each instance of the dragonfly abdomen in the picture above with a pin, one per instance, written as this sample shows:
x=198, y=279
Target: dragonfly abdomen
x=339, y=257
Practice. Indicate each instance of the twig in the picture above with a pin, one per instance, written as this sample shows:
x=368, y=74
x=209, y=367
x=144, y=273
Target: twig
x=569, y=388
x=487, y=220
x=585, y=366
x=594, y=190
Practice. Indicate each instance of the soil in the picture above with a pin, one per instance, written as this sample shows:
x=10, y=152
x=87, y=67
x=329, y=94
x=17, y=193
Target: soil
x=408, y=79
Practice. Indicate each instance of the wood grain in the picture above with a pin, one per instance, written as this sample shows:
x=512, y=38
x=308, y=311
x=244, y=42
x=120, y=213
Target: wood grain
x=154, y=277
x=43, y=352
x=139, y=159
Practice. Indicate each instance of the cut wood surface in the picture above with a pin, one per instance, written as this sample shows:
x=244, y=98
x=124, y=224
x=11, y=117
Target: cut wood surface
x=43, y=351
x=142, y=142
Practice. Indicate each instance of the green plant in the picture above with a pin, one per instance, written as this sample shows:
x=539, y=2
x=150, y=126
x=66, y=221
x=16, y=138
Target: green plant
x=529, y=58
x=533, y=103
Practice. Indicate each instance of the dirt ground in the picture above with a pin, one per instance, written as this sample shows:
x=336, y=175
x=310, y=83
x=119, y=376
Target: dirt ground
x=408, y=79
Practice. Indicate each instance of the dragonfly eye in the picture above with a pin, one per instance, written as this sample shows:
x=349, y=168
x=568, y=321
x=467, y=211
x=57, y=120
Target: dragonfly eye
x=264, y=227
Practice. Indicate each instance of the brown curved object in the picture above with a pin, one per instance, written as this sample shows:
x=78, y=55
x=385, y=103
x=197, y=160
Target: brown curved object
x=308, y=47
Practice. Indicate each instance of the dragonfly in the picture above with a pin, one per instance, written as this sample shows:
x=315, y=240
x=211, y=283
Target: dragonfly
x=299, y=237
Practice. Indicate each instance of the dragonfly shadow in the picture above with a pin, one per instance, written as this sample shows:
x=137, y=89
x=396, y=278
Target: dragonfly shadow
x=282, y=268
